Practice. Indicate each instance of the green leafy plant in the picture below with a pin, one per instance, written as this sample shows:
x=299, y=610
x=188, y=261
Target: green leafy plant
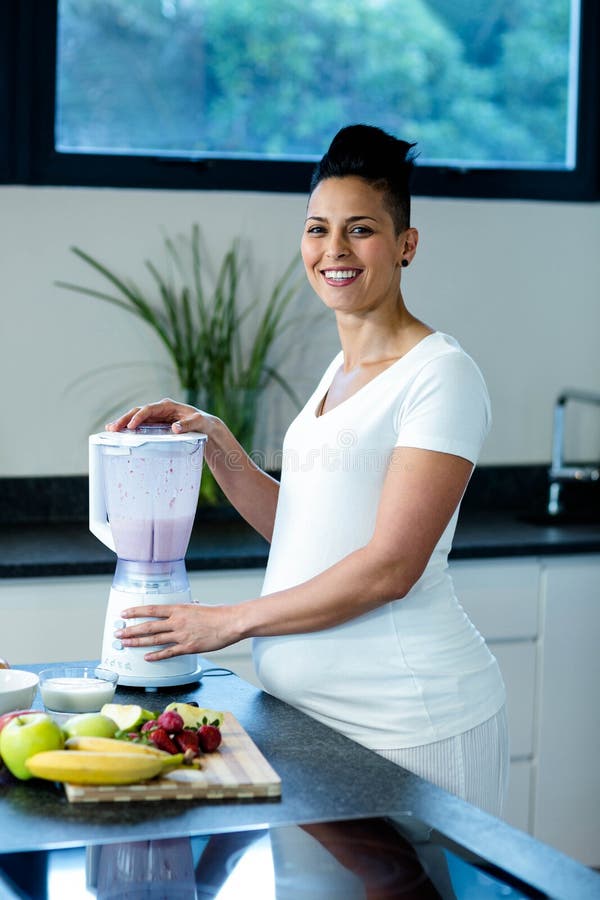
x=220, y=349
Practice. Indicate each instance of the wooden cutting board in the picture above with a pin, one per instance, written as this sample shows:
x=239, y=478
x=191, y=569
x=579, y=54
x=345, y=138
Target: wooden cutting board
x=237, y=770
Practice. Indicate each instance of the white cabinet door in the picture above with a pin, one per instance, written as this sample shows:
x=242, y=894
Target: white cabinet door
x=517, y=661
x=52, y=619
x=517, y=804
x=227, y=586
x=567, y=796
x=500, y=596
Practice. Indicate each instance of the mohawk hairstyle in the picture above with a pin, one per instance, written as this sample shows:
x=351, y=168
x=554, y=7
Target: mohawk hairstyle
x=382, y=160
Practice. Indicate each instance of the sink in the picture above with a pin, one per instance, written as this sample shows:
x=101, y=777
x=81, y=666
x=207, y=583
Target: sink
x=590, y=516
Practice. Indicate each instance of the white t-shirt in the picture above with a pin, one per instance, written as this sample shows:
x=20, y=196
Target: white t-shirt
x=414, y=670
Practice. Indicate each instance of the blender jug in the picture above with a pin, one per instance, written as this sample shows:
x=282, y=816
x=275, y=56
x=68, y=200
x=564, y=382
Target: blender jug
x=144, y=489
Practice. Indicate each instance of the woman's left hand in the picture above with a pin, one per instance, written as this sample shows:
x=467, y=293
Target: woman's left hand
x=185, y=628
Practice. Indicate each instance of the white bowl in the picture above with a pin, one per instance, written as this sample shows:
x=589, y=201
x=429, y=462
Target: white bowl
x=17, y=689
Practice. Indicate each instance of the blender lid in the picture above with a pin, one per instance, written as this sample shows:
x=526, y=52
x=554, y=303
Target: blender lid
x=146, y=434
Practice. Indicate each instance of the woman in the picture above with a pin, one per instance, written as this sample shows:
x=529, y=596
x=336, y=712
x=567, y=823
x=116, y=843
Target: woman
x=358, y=624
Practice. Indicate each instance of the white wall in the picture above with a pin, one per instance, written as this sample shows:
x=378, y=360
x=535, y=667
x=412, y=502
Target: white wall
x=518, y=283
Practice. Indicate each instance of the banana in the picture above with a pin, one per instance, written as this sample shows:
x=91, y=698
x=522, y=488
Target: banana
x=88, y=767
x=112, y=745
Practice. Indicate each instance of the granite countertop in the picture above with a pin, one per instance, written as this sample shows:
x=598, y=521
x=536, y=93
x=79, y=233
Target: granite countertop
x=324, y=777
x=44, y=530
x=68, y=548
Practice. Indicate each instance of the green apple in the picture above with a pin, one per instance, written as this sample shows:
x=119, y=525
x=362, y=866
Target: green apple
x=129, y=717
x=26, y=735
x=90, y=725
x=5, y=718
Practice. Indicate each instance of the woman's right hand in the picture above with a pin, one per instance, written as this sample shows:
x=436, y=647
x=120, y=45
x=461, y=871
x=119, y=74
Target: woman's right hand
x=180, y=416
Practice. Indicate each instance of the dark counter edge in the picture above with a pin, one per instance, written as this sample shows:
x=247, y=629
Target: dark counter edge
x=44, y=530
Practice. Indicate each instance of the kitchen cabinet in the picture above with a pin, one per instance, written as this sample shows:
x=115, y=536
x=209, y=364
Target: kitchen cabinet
x=566, y=809
x=52, y=619
x=501, y=597
x=541, y=618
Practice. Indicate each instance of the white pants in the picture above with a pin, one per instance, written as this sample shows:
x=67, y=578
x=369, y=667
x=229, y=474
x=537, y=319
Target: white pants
x=473, y=765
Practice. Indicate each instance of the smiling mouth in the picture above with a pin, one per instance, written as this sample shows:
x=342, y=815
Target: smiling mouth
x=340, y=276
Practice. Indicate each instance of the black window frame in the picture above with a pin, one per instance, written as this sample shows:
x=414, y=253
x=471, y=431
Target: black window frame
x=28, y=157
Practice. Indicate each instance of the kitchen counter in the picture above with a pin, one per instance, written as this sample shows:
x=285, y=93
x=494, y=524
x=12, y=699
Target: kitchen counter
x=324, y=776
x=44, y=529
x=67, y=548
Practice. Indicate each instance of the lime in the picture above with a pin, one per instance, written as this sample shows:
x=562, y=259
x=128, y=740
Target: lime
x=128, y=717
x=195, y=716
x=90, y=725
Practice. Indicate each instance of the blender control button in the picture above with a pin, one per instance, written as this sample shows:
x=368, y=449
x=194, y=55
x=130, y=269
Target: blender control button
x=119, y=623
x=117, y=645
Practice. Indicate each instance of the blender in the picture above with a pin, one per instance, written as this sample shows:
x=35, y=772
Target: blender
x=144, y=487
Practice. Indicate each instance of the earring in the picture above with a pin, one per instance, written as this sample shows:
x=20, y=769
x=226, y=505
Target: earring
x=404, y=263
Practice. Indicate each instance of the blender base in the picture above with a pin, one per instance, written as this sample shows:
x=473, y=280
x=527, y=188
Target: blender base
x=129, y=662
x=152, y=684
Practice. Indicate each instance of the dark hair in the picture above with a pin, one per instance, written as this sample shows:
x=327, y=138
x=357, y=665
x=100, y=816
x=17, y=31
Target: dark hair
x=384, y=161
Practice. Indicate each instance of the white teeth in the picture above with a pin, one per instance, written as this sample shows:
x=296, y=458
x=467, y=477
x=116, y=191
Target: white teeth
x=341, y=274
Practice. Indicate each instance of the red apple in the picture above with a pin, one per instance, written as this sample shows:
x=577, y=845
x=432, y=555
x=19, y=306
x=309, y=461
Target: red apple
x=26, y=735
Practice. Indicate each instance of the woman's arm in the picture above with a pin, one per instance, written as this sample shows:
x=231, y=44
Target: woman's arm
x=421, y=491
x=252, y=492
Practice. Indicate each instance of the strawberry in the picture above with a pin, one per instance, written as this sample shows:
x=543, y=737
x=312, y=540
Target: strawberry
x=188, y=740
x=160, y=738
x=209, y=737
x=149, y=726
x=171, y=721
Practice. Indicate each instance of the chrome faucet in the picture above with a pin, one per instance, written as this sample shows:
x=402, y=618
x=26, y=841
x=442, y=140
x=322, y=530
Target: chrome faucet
x=559, y=473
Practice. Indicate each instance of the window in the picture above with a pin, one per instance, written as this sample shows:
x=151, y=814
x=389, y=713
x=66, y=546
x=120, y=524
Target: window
x=245, y=94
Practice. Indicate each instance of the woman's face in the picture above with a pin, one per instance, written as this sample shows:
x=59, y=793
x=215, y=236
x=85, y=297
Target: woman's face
x=351, y=252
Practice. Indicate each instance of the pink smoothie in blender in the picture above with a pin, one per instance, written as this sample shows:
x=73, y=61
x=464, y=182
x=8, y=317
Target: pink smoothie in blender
x=144, y=489
x=151, y=501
